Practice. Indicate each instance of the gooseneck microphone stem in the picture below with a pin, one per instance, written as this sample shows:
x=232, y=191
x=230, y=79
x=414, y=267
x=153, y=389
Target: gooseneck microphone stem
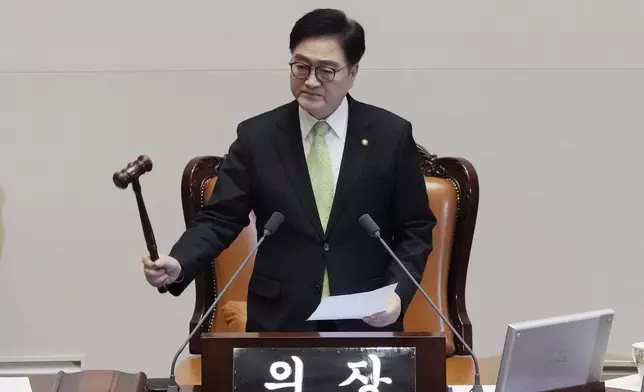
x=271, y=227
x=477, y=376
x=373, y=230
x=210, y=309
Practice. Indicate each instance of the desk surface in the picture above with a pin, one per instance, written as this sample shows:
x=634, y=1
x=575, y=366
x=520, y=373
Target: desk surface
x=44, y=383
x=460, y=371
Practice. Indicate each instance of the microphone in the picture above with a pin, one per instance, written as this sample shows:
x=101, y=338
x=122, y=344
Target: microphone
x=274, y=222
x=373, y=230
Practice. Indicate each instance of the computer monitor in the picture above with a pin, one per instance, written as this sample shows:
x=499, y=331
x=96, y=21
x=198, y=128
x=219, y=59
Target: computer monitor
x=553, y=353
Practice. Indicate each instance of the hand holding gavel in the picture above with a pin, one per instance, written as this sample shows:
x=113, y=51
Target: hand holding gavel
x=167, y=269
x=162, y=271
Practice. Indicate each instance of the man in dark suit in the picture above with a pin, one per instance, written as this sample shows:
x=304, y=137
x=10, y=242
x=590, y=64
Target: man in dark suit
x=322, y=160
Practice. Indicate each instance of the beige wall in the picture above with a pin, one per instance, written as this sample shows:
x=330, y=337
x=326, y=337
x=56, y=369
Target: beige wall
x=544, y=97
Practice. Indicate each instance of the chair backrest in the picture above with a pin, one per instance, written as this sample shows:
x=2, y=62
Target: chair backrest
x=453, y=192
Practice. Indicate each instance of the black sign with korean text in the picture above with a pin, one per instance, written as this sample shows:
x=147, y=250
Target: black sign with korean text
x=325, y=369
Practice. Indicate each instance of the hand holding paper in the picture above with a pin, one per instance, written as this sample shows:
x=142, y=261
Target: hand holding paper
x=355, y=306
x=388, y=316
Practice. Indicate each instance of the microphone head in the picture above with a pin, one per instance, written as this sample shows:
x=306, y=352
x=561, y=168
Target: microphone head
x=274, y=222
x=369, y=225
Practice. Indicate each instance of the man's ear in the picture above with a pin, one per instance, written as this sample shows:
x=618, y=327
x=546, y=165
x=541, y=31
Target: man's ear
x=353, y=72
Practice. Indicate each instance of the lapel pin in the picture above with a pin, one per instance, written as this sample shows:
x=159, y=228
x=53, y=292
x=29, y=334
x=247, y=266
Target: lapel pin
x=365, y=142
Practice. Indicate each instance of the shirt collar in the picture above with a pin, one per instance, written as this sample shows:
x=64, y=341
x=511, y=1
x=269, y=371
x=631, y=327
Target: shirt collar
x=337, y=120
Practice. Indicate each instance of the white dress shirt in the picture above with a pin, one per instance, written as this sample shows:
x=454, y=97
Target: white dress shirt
x=338, y=121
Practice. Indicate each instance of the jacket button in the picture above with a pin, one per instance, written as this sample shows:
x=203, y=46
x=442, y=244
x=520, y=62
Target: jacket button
x=326, y=247
x=317, y=289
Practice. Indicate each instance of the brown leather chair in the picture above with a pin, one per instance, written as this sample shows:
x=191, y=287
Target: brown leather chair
x=453, y=192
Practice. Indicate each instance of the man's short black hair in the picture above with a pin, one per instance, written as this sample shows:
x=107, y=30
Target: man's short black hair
x=327, y=22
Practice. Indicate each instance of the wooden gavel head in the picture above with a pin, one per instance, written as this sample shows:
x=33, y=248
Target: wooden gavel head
x=132, y=171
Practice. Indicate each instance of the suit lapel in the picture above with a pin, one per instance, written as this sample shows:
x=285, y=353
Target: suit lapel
x=291, y=154
x=353, y=159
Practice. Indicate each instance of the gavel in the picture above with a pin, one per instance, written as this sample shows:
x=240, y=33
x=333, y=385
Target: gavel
x=130, y=175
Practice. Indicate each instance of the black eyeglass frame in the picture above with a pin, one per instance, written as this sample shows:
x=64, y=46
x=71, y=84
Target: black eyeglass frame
x=308, y=73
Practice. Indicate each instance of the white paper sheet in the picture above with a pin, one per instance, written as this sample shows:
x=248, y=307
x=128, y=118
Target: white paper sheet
x=15, y=384
x=354, y=306
x=468, y=388
x=628, y=383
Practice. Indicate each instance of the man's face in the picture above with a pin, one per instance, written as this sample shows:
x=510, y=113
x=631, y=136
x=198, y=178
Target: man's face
x=321, y=98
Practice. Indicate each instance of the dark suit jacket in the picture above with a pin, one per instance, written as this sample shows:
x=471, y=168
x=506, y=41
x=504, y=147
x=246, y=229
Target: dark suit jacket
x=266, y=171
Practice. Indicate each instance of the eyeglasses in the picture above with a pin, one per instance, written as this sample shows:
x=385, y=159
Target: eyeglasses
x=324, y=73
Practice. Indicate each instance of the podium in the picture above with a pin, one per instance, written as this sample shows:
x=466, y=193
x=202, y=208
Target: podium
x=333, y=361
x=328, y=362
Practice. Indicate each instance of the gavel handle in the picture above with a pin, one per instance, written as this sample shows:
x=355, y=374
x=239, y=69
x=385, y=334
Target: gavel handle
x=147, y=227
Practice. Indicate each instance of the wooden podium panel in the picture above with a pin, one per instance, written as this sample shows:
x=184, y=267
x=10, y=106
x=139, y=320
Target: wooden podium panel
x=459, y=370
x=219, y=350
